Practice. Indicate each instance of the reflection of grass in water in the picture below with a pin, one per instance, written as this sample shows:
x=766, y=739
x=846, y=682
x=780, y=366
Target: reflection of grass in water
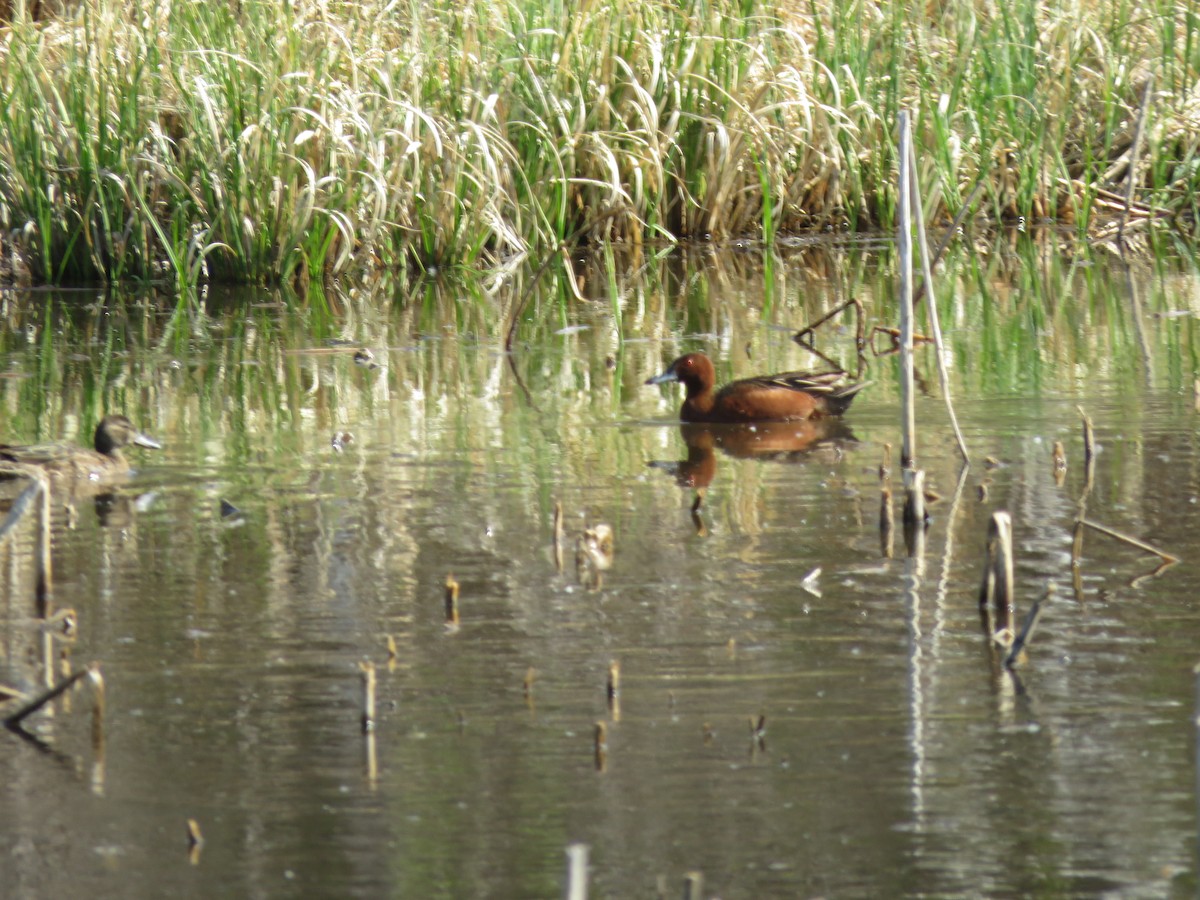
x=1021, y=320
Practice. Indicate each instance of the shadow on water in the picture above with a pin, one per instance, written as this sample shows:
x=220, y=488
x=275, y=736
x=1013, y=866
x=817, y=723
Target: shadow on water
x=886, y=753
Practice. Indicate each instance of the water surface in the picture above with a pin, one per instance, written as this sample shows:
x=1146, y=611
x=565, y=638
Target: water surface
x=898, y=758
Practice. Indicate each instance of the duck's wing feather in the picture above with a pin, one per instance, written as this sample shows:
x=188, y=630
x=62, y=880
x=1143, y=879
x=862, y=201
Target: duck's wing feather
x=34, y=454
x=808, y=382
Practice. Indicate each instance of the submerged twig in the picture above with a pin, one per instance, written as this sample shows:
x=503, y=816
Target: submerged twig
x=996, y=592
x=1019, y=643
x=14, y=719
x=1130, y=540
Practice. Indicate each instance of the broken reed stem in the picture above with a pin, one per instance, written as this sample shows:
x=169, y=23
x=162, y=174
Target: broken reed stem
x=758, y=725
x=600, y=743
x=908, y=422
x=577, y=872
x=931, y=306
x=996, y=592
x=368, y=681
x=371, y=760
x=559, y=536
x=45, y=580
x=451, y=601
x=697, y=519
x=1089, y=450
x=1131, y=541
x=887, y=527
x=612, y=689
x=1060, y=463
x=809, y=330
x=950, y=232
x=1022, y=640
x=195, y=841
x=46, y=696
x=1196, y=744
x=1134, y=152
x=693, y=886
x=914, y=511
x=887, y=522
x=99, y=702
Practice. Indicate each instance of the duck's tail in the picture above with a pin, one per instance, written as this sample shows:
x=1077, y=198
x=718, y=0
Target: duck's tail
x=838, y=400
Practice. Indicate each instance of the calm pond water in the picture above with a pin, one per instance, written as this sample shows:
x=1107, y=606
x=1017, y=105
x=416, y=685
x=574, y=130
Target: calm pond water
x=897, y=758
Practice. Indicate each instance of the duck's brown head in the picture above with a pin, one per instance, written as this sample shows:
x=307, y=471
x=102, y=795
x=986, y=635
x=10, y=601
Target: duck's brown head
x=115, y=432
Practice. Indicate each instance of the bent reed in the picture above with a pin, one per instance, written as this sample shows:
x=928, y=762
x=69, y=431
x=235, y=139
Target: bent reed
x=268, y=141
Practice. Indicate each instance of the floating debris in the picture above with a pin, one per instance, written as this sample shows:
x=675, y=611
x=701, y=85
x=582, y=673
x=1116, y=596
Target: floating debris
x=594, y=555
x=341, y=440
x=810, y=582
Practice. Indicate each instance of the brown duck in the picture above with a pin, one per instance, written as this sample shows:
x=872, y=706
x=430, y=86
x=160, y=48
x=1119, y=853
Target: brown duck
x=69, y=461
x=785, y=397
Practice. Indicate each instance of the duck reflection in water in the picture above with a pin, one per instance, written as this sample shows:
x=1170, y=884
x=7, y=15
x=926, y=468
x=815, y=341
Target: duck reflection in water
x=768, y=441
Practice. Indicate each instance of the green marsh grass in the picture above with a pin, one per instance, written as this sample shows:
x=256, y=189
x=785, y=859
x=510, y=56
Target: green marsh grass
x=271, y=142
